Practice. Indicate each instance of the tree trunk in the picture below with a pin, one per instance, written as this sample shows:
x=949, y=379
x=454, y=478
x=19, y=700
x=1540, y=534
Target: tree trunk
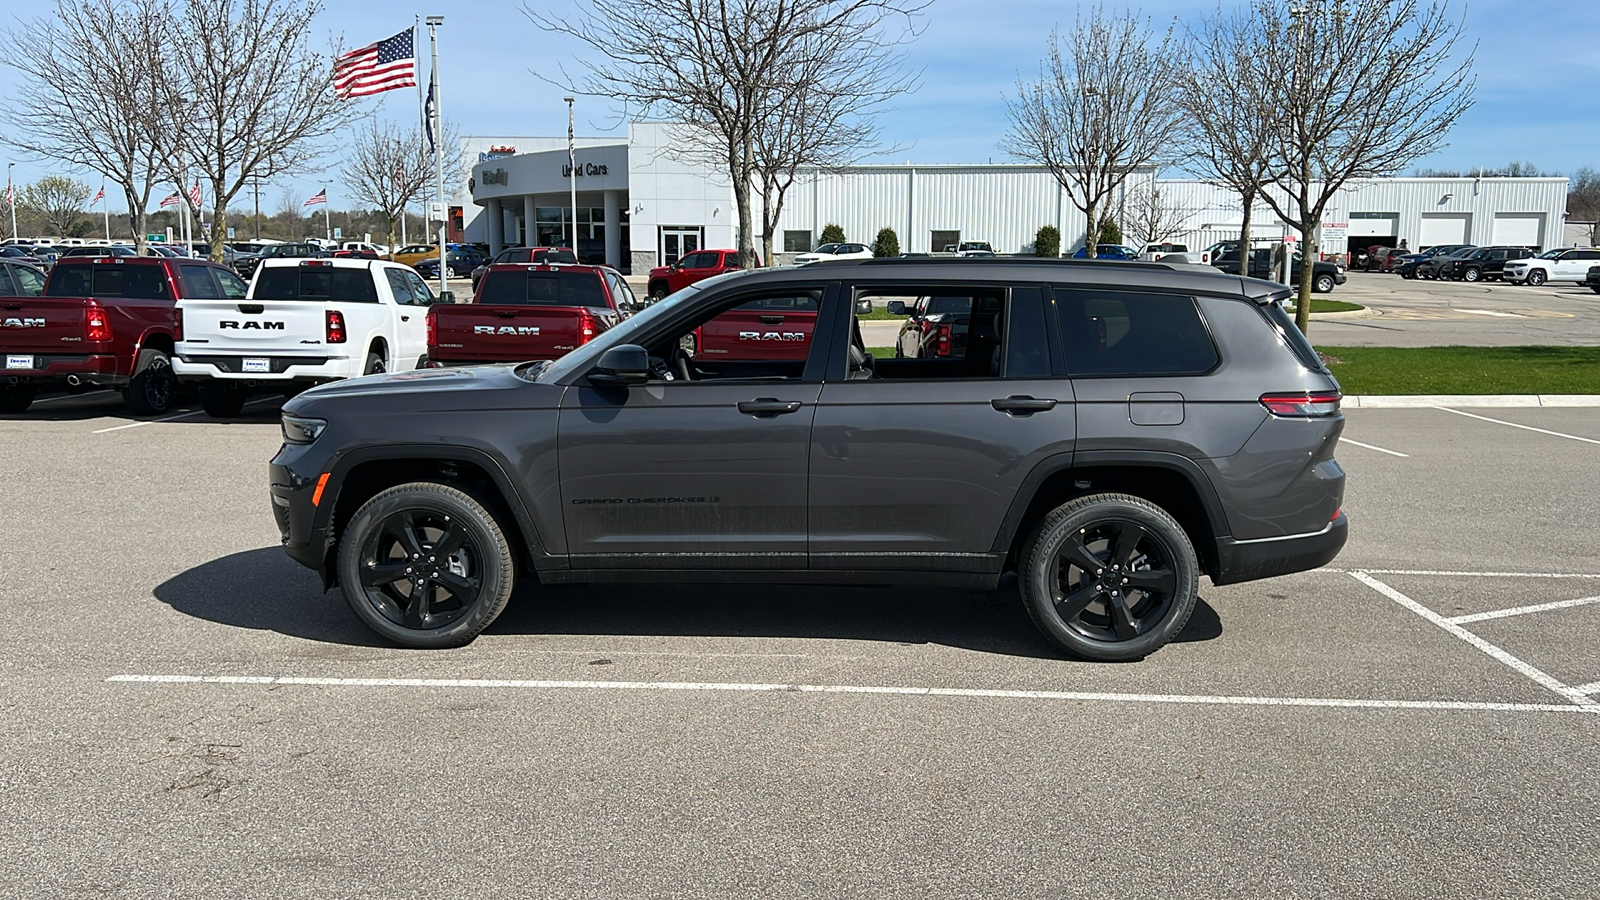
x=1091, y=237
x=741, y=198
x=138, y=219
x=219, y=230
x=1244, y=231
x=1302, y=303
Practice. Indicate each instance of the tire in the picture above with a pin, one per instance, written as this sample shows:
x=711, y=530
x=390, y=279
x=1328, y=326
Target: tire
x=1537, y=277
x=1323, y=284
x=658, y=292
x=374, y=365
x=1471, y=273
x=1076, y=557
x=1595, y=288
x=17, y=399
x=149, y=391
x=222, y=401
x=405, y=599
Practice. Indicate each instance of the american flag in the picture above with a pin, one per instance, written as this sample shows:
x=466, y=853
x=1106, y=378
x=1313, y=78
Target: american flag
x=173, y=200
x=321, y=197
x=376, y=68
x=194, y=193
x=98, y=197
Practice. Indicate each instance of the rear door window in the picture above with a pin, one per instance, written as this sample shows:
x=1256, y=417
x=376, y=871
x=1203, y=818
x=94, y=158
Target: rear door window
x=519, y=288
x=316, y=284
x=399, y=287
x=1131, y=333
x=198, y=283
x=29, y=282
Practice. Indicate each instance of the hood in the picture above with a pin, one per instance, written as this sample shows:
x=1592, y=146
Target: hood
x=423, y=390
x=660, y=270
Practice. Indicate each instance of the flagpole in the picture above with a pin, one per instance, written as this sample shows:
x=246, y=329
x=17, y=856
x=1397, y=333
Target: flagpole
x=438, y=147
x=422, y=115
x=106, y=209
x=327, y=217
x=11, y=200
x=572, y=163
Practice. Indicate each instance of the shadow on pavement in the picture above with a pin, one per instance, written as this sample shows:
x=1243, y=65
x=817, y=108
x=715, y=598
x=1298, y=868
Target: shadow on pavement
x=104, y=404
x=264, y=589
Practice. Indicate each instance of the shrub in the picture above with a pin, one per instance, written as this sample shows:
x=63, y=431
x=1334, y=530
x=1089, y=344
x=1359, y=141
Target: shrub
x=1047, y=241
x=832, y=234
x=1109, y=232
x=887, y=244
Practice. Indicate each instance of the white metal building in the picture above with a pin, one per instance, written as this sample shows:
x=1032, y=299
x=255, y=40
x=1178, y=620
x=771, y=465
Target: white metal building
x=641, y=202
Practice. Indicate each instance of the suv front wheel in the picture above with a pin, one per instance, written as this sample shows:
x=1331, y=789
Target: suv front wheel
x=1109, y=577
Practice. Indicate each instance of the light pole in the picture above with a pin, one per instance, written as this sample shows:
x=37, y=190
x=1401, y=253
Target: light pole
x=433, y=23
x=572, y=176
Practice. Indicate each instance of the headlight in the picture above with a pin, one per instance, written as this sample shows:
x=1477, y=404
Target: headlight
x=299, y=430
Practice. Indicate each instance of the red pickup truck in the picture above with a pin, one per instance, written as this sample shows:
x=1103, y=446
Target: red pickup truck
x=693, y=267
x=527, y=311
x=772, y=328
x=107, y=321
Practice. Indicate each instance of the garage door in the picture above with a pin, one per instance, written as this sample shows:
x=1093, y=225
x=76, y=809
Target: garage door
x=1445, y=228
x=1519, y=229
x=1368, y=224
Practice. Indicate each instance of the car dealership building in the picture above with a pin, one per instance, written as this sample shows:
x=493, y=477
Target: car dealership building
x=643, y=201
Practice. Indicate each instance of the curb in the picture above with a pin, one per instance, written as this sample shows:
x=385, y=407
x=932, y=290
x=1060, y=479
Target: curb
x=1480, y=401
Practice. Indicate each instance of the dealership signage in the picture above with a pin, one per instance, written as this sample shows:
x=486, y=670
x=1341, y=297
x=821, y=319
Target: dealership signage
x=497, y=153
x=584, y=169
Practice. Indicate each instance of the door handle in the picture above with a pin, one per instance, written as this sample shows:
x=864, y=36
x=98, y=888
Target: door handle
x=766, y=407
x=1022, y=405
x=771, y=320
x=405, y=318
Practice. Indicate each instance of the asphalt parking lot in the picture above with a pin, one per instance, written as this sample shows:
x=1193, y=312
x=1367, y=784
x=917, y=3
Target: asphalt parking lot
x=1410, y=313
x=188, y=715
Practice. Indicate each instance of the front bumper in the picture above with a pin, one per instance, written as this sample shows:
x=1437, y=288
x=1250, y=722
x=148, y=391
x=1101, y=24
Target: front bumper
x=292, y=477
x=1255, y=559
x=280, y=369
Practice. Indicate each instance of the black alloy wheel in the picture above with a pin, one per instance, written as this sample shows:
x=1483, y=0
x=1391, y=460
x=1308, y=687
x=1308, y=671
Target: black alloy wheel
x=425, y=565
x=1109, y=577
x=149, y=391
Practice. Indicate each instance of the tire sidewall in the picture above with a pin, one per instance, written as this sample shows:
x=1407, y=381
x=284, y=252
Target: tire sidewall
x=1324, y=284
x=374, y=365
x=1470, y=275
x=497, y=562
x=1038, y=568
x=1536, y=278
x=152, y=366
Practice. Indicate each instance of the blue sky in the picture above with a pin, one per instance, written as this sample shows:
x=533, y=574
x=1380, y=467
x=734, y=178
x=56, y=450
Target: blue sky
x=1537, y=98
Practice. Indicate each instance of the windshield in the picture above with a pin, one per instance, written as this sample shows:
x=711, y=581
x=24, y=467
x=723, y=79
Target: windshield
x=1554, y=254
x=584, y=357
x=826, y=248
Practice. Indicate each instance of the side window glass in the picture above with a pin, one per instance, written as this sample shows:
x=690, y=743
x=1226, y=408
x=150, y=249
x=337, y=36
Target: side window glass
x=28, y=282
x=419, y=288
x=7, y=288
x=399, y=287
x=1027, y=351
x=954, y=332
x=766, y=338
x=198, y=283
x=233, y=288
x=1117, y=333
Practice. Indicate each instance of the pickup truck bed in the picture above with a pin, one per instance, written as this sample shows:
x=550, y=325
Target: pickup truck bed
x=526, y=312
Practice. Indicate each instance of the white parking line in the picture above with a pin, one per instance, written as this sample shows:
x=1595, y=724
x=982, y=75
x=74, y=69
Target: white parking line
x=1379, y=449
x=1527, y=669
x=1589, y=688
x=1329, y=570
x=70, y=397
x=1521, y=610
x=174, y=418
x=1491, y=312
x=974, y=693
x=1571, y=437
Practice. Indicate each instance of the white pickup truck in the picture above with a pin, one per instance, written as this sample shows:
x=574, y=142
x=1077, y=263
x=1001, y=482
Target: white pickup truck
x=303, y=322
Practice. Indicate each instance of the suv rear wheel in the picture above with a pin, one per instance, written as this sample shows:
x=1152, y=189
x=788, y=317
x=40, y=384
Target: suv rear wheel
x=1109, y=577
x=426, y=565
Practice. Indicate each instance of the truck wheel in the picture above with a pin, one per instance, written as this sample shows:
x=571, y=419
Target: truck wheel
x=1595, y=288
x=149, y=391
x=222, y=401
x=17, y=398
x=1536, y=277
x=374, y=365
x=658, y=292
x=1323, y=284
x=1109, y=577
x=426, y=566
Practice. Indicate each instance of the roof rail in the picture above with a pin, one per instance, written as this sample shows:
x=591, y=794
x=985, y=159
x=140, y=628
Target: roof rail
x=1006, y=260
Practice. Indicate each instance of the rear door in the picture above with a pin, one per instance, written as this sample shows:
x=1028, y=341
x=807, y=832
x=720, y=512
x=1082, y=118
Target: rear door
x=1574, y=266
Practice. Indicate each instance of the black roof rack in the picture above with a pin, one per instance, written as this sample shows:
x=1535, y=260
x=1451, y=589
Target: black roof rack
x=1010, y=261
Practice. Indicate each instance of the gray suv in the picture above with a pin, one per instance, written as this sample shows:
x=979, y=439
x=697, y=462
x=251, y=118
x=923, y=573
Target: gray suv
x=1108, y=431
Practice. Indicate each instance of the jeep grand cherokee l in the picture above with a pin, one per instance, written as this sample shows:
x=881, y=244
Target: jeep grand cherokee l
x=1108, y=431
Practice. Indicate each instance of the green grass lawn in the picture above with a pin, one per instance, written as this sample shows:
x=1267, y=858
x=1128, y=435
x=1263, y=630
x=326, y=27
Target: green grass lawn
x=879, y=314
x=881, y=352
x=1466, y=370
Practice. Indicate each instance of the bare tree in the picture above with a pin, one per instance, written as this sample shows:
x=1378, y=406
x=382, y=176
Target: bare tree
x=58, y=200
x=1230, y=127
x=387, y=167
x=1101, y=107
x=730, y=73
x=1361, y=88
x=1152, y=215
x=90, y=74
x=1583, y=200
x=249, y=98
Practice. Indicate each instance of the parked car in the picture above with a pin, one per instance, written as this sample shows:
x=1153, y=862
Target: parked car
x=975, y=246
x=246, y=265
x=1324, y=275
x=1406, y=264
x=411, y=254
x=19, y=279
x=20, y=253
x=109, y=321
x=1481, y=263
x=1382, y=259
x=1569, y=265
x=304, y=322
x=695, y=267
x=1107, y=251
x=1172, y=252
x=426, y=497
x=1429, y=266
x=523, y=255
x=528, y=311
x=461, y=262
x=828, y=252
x=361, y=250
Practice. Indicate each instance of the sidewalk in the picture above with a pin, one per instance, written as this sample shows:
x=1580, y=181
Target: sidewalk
x=1481, y=401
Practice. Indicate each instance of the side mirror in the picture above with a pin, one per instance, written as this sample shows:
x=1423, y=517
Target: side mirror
x=445, y=297
x=863, y=307
x=622, y=365
x=898, y=308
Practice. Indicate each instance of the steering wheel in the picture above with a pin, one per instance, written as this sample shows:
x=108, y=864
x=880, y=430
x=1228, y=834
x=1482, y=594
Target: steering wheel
x=660, y=369
x=681, y=364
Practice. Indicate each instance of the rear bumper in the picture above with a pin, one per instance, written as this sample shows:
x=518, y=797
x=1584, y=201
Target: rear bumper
x=1268, y=557
x=281, y=369
x=57, y=368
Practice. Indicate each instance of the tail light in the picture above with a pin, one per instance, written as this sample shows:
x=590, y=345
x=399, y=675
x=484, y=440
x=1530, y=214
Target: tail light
x=433, y=329
x=1302, y=405
x=336, y=331
x=942, y=340
x=177, y=325
x=586, y=326
x=96, y=325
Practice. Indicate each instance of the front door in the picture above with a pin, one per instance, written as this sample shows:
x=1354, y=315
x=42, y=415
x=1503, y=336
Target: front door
x=915, y=461
x=704, y=467
x=678, y=242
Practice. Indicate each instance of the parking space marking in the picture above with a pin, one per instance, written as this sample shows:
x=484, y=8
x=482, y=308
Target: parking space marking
x=971, y=693
x=1333, y=571
x=1521, y=610
x=1491, y=312
x=1379, y=449
x=1589, y=688
x=1515, y=425
x=174, y=418
x=70, y=397
x=1526, y=669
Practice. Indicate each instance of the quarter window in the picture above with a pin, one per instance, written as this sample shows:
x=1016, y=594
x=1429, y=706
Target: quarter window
x=1117, y=333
